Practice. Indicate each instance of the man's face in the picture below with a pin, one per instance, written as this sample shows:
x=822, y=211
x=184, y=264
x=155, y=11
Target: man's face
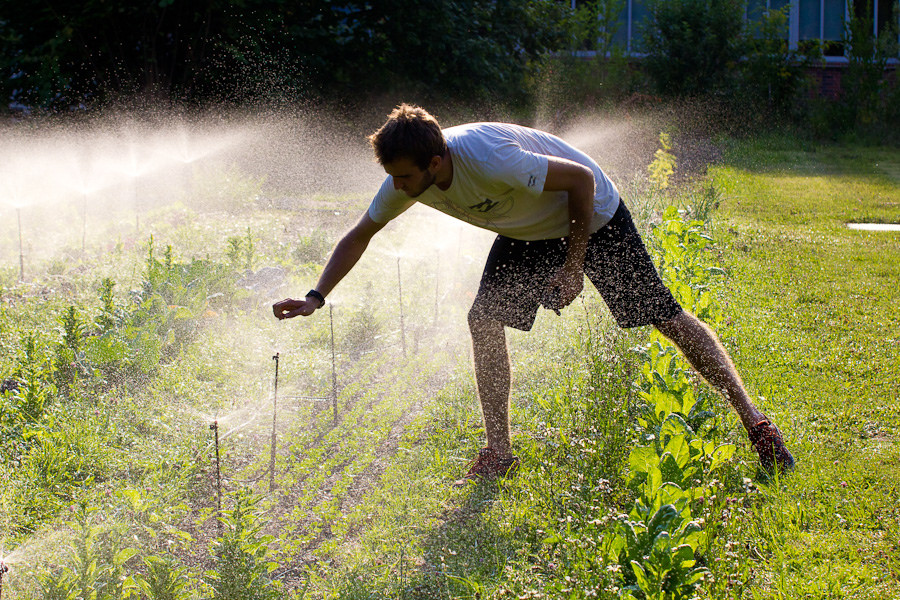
x=408, y=178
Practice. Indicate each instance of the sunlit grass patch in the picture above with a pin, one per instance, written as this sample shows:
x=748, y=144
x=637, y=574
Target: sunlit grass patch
x=812, y=327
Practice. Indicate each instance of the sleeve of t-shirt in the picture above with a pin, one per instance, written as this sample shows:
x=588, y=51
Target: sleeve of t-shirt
x=388, y=203
x=519, y=168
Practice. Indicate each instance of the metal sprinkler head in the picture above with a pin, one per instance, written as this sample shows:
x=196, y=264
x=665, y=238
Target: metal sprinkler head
x=214, y=425
x=3, y=569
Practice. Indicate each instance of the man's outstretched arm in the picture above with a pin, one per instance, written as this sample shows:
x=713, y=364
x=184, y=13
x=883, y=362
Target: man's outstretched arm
x=345, y=255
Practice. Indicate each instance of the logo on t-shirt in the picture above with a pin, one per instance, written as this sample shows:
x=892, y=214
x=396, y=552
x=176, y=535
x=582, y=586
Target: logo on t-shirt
x=531, y=180
x=485, y=205
x=491, y=211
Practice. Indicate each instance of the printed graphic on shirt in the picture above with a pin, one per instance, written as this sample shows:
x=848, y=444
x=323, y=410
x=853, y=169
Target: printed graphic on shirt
x=497, y=208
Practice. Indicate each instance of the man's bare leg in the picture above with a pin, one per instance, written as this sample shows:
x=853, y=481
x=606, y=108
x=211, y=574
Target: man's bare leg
x=702, y=348
x=492, y=373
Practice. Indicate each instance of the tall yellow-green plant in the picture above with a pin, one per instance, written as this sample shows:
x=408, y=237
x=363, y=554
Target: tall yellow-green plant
x=663, y=166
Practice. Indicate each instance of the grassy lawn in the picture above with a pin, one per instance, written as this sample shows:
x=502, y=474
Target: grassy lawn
x=813, y=328
x=112, y=464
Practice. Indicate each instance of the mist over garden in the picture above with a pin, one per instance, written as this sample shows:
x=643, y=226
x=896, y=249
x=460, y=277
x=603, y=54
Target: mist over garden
x=171, y=169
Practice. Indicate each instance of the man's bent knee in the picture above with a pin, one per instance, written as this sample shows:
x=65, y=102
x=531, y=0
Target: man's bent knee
x=675, y=325
x=481, y=326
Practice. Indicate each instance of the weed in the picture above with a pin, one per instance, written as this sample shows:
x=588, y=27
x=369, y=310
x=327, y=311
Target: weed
x=241, y=555
x=165, y=579
x=662, y=167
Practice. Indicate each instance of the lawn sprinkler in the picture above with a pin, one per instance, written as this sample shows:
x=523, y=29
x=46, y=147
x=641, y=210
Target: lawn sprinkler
x=3, y=569
x=400, y=301
x=21, y=252
x=333, y=364
x=274, y=416
x=215, y=428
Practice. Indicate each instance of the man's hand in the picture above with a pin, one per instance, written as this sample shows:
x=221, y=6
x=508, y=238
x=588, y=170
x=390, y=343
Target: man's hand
x=290, y=308
x=565, y=286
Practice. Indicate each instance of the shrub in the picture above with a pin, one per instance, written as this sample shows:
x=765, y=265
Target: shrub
x=771, y=77
x=693, y=45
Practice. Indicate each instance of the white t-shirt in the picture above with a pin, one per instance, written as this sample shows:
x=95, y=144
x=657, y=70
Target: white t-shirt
x=499, y=172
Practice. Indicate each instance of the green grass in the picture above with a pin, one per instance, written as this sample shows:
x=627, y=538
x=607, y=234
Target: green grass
x=364, y=508
x=813, y=328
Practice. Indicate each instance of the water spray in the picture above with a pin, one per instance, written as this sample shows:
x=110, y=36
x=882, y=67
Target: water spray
x=215, y=427
x=137, y=203
x=21, y=252
x=3, y=569
x=400, y=301
x=274, y=416
x=333, y=364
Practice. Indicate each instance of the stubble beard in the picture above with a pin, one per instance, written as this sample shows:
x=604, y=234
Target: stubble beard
x=425, y=185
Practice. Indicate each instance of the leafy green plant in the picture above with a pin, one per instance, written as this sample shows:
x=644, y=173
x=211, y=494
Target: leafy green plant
x=70, y=361
x=165, y=579
x=26, y=404
x=680, y=247
x=97, y=571
x=241, y=555
x=174, y=298
x=57, y=585
x=659, y=543
x=312, y=248
x=111, y=316
x=363, y=330
x=240, y=251
x=658, y=550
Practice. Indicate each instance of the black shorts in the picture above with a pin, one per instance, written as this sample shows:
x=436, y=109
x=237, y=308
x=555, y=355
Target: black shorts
x=617, y=263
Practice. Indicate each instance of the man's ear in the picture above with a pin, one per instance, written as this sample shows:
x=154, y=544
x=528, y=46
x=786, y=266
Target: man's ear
x=435, y=163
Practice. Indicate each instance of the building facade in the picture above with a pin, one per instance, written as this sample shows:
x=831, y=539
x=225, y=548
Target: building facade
x=811, y=23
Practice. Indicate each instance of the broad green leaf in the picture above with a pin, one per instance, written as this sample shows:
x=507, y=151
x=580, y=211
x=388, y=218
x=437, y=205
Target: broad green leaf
x=678, y=447
x=683, y=557
x=642, y=458
x=674, y=425
x=696, y=575
x=123, y=555
x=640, y=576
x=669, y=468
x=721, y=455
x=662, y=520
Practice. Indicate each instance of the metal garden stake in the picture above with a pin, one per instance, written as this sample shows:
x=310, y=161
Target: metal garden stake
x=3, y=569
x=21, y=252
x=333, y=365
x=274, y=416
x=215, y=427
x=400, y=299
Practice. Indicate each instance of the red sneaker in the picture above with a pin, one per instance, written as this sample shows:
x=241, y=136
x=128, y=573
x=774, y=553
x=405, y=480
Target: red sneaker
x=489, y=464
x=773, y=454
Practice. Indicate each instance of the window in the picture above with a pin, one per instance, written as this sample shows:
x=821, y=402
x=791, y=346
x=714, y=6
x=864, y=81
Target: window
x=821, y=21
x=880, y=11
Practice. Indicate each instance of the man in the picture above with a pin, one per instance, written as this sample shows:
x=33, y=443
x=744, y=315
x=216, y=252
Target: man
x=559, y=218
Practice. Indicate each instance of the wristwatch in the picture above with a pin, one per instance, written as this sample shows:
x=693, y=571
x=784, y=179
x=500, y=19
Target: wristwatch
x=315, y=294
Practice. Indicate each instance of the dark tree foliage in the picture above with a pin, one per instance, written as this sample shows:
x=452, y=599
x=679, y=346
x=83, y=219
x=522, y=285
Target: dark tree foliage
x=64, y=53
x=693, y=46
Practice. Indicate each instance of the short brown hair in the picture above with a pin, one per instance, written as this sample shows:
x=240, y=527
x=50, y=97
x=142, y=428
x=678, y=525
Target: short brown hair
x=410, y=132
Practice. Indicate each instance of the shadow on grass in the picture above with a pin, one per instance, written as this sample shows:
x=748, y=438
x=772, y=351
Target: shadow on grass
x=466, y=548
